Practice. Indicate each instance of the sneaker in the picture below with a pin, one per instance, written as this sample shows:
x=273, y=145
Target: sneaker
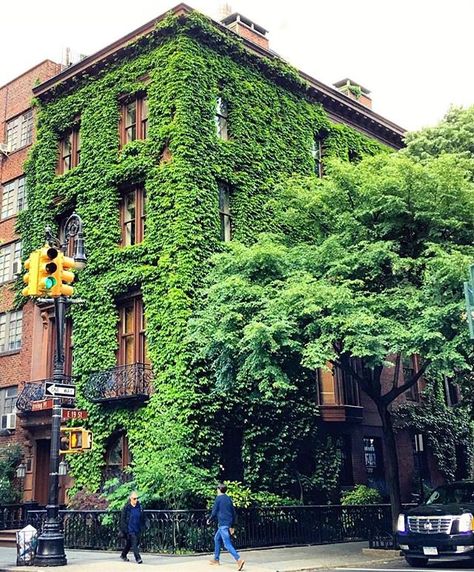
x=139, y=561
x=214, y=562
x=124, y=558
x=240, y=564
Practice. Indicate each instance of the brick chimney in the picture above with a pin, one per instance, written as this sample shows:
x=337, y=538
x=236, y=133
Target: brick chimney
x=355, y=91
x=246, y=29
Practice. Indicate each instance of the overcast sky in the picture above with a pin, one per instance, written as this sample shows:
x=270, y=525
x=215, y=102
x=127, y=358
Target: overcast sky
x=415, y=56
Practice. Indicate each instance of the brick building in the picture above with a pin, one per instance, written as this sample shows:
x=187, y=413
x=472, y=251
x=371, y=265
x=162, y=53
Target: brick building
x=124, y=386
x=17, y=326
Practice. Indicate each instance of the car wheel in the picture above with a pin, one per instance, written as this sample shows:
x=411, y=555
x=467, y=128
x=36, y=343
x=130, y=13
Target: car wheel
x=416, y=562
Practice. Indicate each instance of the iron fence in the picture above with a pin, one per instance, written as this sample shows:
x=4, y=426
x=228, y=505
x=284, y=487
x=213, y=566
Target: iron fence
x=13, y=516
x=181, y=531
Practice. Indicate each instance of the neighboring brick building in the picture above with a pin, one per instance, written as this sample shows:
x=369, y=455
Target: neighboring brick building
x=17, y=326
x=348, y=413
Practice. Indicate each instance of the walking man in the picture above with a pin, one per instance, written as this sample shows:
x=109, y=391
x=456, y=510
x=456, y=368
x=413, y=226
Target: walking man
x=224, y=512
x=131, y=521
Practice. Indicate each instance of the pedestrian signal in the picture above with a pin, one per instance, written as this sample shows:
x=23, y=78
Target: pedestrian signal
x=75, y=439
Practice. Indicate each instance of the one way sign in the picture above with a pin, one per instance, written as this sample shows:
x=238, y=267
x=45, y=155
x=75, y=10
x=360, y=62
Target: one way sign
x=59, y=389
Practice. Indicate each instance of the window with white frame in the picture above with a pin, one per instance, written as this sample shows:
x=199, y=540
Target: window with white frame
x=20, y=130
x=225, y=213
x=13, y=197
x=222, y=115
x=10, y=254
x=8, y=397
x=10, y=331
x=317, y=153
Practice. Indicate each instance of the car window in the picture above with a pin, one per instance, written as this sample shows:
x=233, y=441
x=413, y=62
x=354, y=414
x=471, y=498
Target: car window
x=452, y=494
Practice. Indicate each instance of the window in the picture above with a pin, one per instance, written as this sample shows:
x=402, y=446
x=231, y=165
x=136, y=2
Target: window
x=317, y=153
x=20, y=130
x=452, y=392
x=134, y=119
x=132, y=216
x=221, y=119
x=117, y=457
x=408, y=364
x=224, y=212
x=13, y=197
x=10, y=261
x=8, y=397
x=374, y=464
x=10, y=331
x=132, y=338
x=338, y=387
x=69, y=150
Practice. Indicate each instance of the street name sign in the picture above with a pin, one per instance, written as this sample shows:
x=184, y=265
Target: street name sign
x=41, y=405
x=74, y=414
x=59, y=389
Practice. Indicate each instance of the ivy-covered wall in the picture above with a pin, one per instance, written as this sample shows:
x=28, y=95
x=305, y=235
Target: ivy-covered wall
x=175, y=440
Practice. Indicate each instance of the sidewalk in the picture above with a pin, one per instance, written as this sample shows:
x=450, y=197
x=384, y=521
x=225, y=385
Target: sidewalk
x=304, y=558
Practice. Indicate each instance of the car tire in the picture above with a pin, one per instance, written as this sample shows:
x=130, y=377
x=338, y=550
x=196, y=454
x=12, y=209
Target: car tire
x=416, y=562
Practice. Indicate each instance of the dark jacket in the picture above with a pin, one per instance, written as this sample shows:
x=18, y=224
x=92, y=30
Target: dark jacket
x=223, y=511
x=125, y=517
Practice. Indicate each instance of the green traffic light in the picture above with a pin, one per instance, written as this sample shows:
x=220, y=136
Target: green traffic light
x=49, y=282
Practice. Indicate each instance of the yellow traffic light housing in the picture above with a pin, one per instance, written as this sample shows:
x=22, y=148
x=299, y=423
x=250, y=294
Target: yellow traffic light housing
x=75, y=440
x=31, y=277
x=49, y=274
x=67, y=277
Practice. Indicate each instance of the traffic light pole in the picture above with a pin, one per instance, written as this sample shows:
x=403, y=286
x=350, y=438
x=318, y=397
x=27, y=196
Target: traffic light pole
x=50, y=551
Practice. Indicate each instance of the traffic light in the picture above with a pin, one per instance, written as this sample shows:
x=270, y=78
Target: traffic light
x=49, y=274
x=67, y=277
x=469, y=295
x=31, y=277
x=75, y=439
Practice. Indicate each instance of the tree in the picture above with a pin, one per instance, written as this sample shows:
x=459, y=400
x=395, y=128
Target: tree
x=454, y=135
x=369, y=265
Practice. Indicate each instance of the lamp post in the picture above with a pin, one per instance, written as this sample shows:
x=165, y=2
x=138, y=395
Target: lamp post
x=50, y=551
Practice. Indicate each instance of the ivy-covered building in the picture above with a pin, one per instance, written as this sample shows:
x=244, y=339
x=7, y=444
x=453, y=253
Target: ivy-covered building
x=168, y=144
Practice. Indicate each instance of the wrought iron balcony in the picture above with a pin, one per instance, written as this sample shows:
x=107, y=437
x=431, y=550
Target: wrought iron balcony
x=33, y=393
x=122, y=383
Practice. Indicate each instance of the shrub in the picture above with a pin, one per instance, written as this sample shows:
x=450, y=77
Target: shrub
x=361, y=494
x=85, y=500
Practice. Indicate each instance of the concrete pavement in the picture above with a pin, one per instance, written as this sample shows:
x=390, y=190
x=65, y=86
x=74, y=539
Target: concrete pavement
x=303, y=558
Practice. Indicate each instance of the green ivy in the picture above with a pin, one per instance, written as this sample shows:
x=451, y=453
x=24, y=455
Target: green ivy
x=183, y=66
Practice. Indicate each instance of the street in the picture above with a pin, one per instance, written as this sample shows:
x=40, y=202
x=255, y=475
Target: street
x=400, y=564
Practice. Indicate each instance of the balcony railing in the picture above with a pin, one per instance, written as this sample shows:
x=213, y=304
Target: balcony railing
x=34, y=391
x=122, y=383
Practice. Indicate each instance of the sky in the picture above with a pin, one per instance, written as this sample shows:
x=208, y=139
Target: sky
x=415, y=56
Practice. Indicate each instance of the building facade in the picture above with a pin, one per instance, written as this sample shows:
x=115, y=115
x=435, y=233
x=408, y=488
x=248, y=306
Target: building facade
x=168, y=144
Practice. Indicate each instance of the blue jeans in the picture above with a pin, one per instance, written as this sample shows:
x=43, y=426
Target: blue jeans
x=222, y=536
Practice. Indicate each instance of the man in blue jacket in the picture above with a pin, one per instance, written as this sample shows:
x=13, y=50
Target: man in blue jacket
x=131, y=522
x=224, y=512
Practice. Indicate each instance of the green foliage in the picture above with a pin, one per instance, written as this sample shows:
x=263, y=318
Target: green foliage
x=10, y=458
x=454, y=135
x=361, y=494
x=445, y=428
x=243, y=497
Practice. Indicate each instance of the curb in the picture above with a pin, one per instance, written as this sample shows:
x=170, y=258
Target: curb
x=314, y=568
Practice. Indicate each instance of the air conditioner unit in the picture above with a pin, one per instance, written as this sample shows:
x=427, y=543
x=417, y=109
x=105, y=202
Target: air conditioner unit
x=5, y=148
x=9, y=420
x=16, y=267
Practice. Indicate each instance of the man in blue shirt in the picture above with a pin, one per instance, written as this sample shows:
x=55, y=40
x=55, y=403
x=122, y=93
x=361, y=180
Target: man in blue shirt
x=224, y=512
x=130, y=526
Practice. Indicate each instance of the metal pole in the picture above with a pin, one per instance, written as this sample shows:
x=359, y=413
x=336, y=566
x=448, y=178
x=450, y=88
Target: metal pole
x=50, y=551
